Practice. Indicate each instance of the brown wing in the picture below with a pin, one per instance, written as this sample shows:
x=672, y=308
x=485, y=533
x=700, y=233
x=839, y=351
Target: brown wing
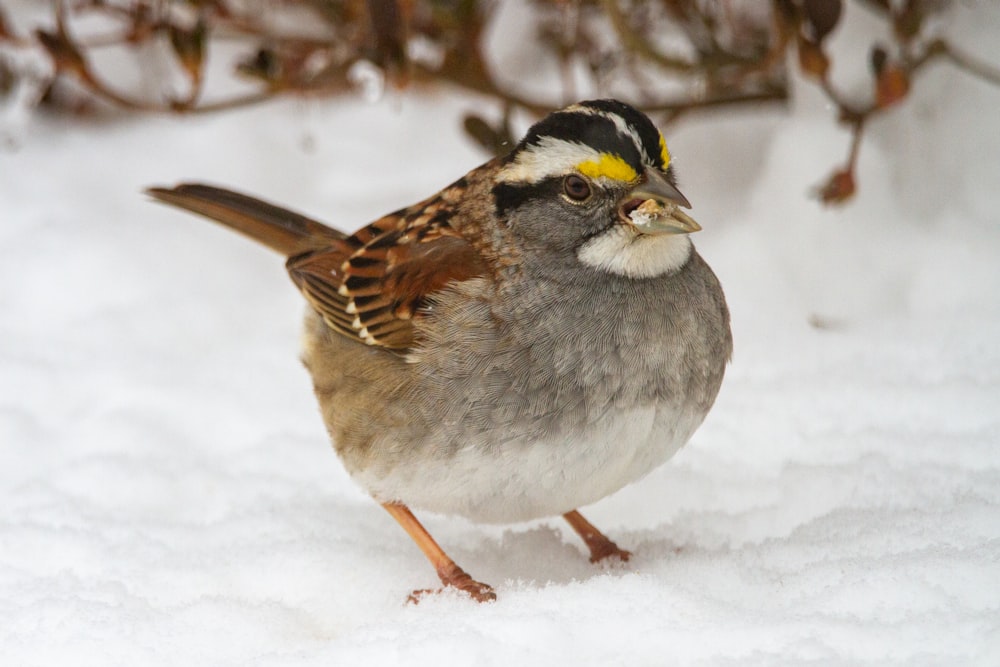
x=371, y=285
x=367, y=286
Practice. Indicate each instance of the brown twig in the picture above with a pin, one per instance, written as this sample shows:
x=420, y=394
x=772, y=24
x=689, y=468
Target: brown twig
x=969, y=64
x=893, y=81
x=633, y=41
x=734, y=60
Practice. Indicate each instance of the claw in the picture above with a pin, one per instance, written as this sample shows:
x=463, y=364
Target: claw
x=606, y=550
x=600, y=546
x=455, y=577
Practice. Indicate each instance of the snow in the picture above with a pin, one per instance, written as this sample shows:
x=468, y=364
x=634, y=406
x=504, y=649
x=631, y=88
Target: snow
x=168, y=496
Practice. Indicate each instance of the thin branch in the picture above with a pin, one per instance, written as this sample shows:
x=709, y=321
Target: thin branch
x=770, y=95
x=857, y=131
x=732, y=64
x=233, y=103
x=634, y=42
x=971, y=65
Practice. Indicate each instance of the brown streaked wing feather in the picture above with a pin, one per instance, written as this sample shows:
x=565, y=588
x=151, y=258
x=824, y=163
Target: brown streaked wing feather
x=370, y=286
x=318, y=277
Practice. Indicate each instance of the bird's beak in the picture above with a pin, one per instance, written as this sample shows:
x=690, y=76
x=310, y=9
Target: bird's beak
x=653, y=207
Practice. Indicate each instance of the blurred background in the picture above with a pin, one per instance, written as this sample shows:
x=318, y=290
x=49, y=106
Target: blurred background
x=673, y=58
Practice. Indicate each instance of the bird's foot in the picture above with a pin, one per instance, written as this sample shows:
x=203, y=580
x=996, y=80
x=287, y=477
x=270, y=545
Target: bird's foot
x=452, y=576
x=456, y=577
x=601, y=550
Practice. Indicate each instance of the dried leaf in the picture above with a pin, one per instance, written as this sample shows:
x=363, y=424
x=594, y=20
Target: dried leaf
x=189, y=46
x=908, y=22
x=7, y=77
x=839, y=187
x=66, y=57
x=891, y=86
x=812, y=60
x=821, y=17
x=786, y=11
x=5, y=30
x=264, y=65
x=497, y=141
x=388, y=31
x=877, y=59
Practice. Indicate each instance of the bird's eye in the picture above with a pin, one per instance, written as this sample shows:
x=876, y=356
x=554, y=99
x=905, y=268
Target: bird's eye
x=576, y=188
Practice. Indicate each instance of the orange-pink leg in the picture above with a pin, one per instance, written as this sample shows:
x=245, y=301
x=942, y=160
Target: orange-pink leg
x=600, y=546
x=450, y=573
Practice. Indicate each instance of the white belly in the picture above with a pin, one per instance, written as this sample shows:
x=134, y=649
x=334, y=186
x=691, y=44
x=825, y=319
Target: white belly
x=520, y=481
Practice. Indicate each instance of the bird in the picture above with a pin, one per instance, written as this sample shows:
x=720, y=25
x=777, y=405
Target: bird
x=528, y=340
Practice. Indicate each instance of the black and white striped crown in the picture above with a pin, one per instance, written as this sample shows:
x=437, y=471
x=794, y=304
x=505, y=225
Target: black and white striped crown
x=601, y=139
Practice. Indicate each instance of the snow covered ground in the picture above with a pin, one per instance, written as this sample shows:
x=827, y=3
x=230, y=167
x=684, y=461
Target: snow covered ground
x=168, y=495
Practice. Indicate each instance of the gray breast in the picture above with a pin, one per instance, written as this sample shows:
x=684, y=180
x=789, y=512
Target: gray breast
x=559, y=356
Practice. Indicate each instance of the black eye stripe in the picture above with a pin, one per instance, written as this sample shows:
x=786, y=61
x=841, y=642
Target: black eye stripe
x=509, y=196
x=604, y=126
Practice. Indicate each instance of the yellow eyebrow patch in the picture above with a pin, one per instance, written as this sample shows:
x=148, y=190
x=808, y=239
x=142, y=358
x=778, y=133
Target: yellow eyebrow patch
x=608, y=166
x=664, y=153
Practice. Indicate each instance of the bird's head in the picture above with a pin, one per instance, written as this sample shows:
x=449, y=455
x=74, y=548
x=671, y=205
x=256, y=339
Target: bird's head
x=594, y=182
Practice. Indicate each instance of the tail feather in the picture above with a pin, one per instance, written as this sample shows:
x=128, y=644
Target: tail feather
x=279, y=229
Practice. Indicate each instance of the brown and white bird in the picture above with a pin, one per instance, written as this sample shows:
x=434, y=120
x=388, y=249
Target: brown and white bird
x=528, y=340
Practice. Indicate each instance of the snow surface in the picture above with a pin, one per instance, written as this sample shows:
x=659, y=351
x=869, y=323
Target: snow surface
x=168, y=496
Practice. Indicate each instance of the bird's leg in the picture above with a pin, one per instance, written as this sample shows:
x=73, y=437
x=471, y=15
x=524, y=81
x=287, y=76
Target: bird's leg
x=600, y=546
x=450, y=573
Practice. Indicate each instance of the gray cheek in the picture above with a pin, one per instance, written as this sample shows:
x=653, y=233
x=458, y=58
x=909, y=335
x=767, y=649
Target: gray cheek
x=559, y=226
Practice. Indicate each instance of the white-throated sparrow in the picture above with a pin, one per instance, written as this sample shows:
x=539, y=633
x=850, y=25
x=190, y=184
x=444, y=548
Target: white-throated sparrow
x=530, y=339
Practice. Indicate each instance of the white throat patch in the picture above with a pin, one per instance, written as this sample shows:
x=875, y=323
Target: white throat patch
x=623, y=251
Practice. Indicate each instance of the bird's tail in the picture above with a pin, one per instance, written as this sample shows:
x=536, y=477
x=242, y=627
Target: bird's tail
x=279, y=229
